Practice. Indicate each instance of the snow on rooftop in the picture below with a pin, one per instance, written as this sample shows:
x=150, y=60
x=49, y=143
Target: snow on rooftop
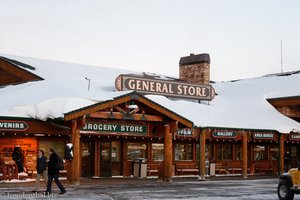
x=239, y=104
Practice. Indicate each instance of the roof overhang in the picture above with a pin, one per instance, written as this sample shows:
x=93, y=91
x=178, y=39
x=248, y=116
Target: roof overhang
x=127, y=98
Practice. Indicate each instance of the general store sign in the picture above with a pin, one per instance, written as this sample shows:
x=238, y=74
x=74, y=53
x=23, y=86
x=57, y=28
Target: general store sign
x=224, y=134
x=164, y=87
x=13, y=125
x=116, y=128
x=262, y=135
x=294, y=137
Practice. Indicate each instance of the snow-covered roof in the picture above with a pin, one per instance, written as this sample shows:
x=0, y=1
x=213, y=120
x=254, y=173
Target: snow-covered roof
x=240, y=104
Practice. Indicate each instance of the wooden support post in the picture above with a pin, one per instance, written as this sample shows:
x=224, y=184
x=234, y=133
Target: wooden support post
x=167, y=164
x=75, y=163
x=97, y=159
x=245, y=153
x=281, y=154
x=202, y=154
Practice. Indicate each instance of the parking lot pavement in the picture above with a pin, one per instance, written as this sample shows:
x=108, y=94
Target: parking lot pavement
x=133, y=189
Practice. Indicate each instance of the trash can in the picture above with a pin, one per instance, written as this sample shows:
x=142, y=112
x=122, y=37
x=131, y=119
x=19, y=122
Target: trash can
x=212, y=169
x=140, y=168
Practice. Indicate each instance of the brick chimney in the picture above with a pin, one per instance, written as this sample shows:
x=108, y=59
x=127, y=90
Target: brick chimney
x=195, y=68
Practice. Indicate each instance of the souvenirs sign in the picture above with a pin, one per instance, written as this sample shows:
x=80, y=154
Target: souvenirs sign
x=164, y=87
x=224, y=134
x=116, y=128
x=13, y=125
x=262, y=135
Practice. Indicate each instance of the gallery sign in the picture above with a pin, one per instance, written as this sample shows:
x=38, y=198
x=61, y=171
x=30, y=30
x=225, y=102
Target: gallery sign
x=164, y=87
x=262, y=135
x=224, y=134
x=13, y=125
x=116, y=128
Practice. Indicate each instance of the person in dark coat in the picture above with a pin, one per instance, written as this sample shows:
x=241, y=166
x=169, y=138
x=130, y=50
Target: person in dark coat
x=287, y=161
x=53, y=173
x=41, y=168
x=18, y=157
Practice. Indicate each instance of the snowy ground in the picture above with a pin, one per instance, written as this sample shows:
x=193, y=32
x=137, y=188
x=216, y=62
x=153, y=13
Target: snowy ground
x=133, y=189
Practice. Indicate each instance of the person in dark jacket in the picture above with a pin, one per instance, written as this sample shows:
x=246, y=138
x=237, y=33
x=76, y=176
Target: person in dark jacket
x=41, y=169
x=18, y=157
x=53, y=172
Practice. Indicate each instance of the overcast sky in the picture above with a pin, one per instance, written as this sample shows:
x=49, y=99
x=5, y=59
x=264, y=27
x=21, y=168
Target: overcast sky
x=242, y=37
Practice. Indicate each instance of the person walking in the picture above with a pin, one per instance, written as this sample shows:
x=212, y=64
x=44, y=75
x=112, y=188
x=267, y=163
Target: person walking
x=53, y=172
x=18, y=157
x=41, y=168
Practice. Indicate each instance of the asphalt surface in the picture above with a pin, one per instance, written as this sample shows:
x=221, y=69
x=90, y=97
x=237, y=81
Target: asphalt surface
x=230, y=188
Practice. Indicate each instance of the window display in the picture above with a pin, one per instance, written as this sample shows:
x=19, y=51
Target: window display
x=136, y=150
x=260, y=152
x=183, y=152
x=224, y=151
x=158, y=152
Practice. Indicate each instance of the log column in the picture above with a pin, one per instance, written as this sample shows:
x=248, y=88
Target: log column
x=97, y=159
x=202, y=154
x=245, y=154
x=167, y=164
x=75, y=163
x=281, y=154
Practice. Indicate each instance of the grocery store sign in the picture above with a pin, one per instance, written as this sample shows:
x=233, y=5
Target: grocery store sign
x=262, y=135
x=13, y=125
x=116, y=128
x=294, y=137
x=224, y=134
x=167, y=88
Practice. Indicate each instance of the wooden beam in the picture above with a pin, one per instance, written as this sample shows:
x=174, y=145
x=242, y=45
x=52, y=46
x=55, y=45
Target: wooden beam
x=202, y=154
x=167, y=163
x=94, y=108
x=75, y=163
x=166, y=112
x=285, y=101
x=117, y=115
x=245, y=154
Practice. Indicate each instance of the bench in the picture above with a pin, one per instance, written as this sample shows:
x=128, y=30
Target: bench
x=153, y=169
x=221, y=168
x=235, y=166
x=187, y=168
x=265, y=167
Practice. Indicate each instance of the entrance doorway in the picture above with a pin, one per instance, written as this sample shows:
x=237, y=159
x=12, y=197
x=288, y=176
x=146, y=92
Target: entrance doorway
x=87, y=155
x=110, y=159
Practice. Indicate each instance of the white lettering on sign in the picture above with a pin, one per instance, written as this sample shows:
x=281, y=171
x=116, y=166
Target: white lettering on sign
x=116, y=128
x=165, y=87
x=13, y=125
x=263, y=135
x=294, y=136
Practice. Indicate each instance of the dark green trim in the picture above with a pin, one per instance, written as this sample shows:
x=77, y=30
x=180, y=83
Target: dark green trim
x=16, y=118
x=241, y=129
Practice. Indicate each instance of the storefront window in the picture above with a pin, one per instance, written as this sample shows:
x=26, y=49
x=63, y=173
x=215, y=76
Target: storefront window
x=208, y=152
x=224, y=151
x=274, y=153
x=183, y=152
x=238, y=152
x=158, y=152
x=136, y=150
x=260, y=152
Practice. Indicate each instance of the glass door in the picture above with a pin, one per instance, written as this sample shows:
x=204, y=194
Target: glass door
x=105, y=159
x=110, y=159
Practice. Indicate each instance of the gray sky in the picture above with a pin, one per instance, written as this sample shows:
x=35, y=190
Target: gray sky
x=242, y=37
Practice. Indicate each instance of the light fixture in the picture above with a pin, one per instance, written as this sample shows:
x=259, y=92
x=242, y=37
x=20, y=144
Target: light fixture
x=39, y=135
x=89, y=80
